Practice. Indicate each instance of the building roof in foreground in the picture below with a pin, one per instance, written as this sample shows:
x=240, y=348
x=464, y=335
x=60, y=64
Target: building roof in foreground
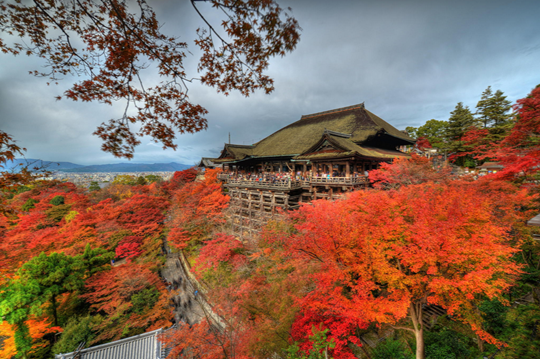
x=208, y=162
x=353, y=127
x=142, y=346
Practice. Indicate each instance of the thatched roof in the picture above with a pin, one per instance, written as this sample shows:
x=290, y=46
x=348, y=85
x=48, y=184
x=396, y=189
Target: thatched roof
x=354, y=122
x=207, y=162
x=344, y=147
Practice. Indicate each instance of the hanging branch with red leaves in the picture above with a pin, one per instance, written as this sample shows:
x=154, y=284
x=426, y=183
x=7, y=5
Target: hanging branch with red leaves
x=112, y=42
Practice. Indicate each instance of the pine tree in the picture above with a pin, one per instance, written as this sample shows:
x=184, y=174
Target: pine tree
x=482, y=108
x=460, y=121
x=492, y=109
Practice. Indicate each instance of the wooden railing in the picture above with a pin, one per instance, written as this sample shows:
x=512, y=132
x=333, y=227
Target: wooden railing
x=274, y=184
x=285, y=183
x=338, y=180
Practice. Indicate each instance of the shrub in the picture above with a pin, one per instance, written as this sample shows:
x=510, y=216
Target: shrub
x=392, y=349
x=29, y=204
x=57, y=200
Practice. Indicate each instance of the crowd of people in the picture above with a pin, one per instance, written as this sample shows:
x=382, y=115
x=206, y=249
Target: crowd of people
x=287, y=177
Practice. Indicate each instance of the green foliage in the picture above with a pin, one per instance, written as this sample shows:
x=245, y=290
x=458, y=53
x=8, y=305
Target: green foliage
x=433, y=130
x=494, y=315
x=524, y=337
x=492, y=109
x=392, y=349
x=94, y=186
x=23, y=188
x=125, y=179
x=141, y=181
x=144, y=300
x=320, y=346
x=77, y=330
x=23, y=342
x=443, y=343
x=57, y=212
x=57, y=200
x=459, y=122
x=92, y=260
x=71, y=215
x=153, y=178
x=29, y=204
x=39, y=281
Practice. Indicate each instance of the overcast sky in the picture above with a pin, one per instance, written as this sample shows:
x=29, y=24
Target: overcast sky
x=409, y=61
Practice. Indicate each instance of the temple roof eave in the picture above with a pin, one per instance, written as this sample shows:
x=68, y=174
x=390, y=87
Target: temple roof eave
x=346, y=155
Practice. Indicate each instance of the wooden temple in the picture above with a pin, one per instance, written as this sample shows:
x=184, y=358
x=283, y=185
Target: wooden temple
x=322, y=155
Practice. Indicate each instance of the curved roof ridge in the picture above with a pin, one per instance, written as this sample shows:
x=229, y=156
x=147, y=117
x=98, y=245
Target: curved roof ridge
x=238, y=146
x=347, y=108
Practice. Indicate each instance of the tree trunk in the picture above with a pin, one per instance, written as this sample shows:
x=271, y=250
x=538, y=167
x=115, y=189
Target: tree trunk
x=480, y=343
x=419, y=343
x=415, y=311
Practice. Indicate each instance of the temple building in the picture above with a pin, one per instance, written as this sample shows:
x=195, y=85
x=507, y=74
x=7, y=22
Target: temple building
x=343, y=141
x=322, y=155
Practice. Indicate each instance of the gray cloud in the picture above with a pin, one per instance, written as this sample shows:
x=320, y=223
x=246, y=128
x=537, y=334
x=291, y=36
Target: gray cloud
x=409, y=61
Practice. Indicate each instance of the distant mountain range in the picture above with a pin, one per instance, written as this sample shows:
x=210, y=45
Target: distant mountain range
x=116, y=167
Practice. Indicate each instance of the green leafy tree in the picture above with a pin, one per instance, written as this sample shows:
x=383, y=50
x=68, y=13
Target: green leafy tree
x=57, y=200
x=94, y=186
x=77, y=330
x=443, y=343
x=433, y=130
x=391, y=349
x=29, y=204
x=39, y=281
x=412, y=131
x=141, y=181
x=125, y=179
x=320, y=346
x=153, y=178
x=38, y=285
x=524, y=338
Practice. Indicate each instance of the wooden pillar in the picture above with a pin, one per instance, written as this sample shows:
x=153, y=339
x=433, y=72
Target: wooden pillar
x=280, y=166
x=347, y=170
x=304, y=168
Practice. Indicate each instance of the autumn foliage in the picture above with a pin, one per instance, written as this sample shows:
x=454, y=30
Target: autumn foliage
x=88, y=230
x=111, y=45
x=405, y=171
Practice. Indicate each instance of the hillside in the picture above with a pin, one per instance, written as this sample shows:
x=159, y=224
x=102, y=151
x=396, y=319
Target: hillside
x=113, y=167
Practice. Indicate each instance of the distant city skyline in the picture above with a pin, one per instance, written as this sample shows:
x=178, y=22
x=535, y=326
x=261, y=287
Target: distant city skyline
x=408, y=61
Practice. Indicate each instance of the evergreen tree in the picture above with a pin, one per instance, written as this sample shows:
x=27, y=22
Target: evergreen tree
x=461, y=119
x=493, y=109
x=94, y=186
x=458, y=123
